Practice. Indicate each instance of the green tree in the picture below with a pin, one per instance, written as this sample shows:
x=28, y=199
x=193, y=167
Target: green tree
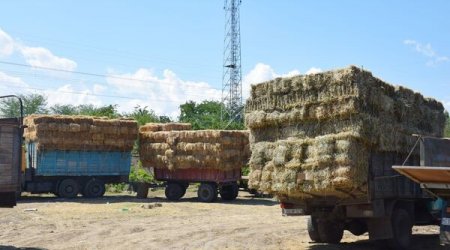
x=85, y=109
x=447, y=126
x=32, y=104
x=64, y=109
x=109, y=111
x=143, y=115
x=207, y=115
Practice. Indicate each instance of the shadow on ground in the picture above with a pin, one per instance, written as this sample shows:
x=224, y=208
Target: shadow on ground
x=419, y=242
x=20, y=248
x=122, y=198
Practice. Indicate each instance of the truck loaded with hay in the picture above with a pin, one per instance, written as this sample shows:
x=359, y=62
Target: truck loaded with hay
x=68, y=155
x=325, y=143
x=180, y=156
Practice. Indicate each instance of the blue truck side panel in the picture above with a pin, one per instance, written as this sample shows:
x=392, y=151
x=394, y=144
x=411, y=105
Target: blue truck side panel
x=78, y=163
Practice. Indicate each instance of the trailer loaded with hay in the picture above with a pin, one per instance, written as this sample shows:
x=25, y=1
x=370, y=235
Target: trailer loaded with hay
x=68, y=155
x=180, y=156
x=325, y=143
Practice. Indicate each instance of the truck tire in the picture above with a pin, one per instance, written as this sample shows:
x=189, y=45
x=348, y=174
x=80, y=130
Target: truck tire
x=330, y=231
x=94, y=188
x=174, y=191
x=142, y=190
x=402, y=229
x=207, y=192
x=68, y=188
x=312, y=229
x=357, y=227
x=229, y=192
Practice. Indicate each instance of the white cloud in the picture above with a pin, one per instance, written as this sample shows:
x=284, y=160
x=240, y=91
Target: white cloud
x=11, y=80
x=313, y=70
x=427, y=51
x=447, y=106
x=6, y=44
x=34, y=56
x=10, y=85
x=161, y=94
x=263, y=72
x=66, y=94
x=98, y=88
x=42, y=57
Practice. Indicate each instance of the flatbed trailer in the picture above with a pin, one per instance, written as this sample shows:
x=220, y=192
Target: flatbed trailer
x=212, y=182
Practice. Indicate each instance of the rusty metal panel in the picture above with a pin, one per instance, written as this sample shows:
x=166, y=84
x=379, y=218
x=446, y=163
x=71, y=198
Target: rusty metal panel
x=197, y=175
x=425, y=174
x=435, y=152
x=10, y=152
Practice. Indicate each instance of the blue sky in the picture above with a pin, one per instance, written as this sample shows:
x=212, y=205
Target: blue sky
x=176, y=47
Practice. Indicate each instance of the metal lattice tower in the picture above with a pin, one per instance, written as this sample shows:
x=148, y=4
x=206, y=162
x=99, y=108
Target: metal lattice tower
x=232, y=77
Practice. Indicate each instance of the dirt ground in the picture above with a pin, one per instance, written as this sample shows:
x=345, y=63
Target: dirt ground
x=124, y=222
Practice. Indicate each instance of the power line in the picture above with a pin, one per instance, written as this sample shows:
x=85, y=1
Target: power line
x=91, y=74
x=87, y=94
x=78, y=80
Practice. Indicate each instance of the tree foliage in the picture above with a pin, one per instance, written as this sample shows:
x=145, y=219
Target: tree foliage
x=447, y=126
x=207, y=115
x=144, y=115
x=32, y=104
x=85, y=109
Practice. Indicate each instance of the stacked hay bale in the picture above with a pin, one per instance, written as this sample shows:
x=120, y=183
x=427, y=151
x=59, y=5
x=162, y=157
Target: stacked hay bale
x=313, y=134
x=175, y=146
x=62, y=132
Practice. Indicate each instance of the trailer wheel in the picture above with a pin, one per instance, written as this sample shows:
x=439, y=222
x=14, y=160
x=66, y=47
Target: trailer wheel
x=229, y=192
x=142, y=190
x=357, y=227
x=312, y=229
x=401, y=228
x=207, y=192
x=94, y=188
x=68, y=188
x=330, y=231
x=174, y=191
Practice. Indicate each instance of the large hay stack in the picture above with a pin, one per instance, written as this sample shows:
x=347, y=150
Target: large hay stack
x=175, y=146
x=314, y=134
x=62, y=132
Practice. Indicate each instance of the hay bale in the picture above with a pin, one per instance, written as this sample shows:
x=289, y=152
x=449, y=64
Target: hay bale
x=182, y=149
x=312, y=134
x=154, y=127
x=60, y=132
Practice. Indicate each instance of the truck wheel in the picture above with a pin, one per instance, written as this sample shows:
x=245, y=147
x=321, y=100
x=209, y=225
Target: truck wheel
x=357, y=227
x=174, y=191
x=207, y=192
x=330, y=231
x=401, y=228
x=68, y=188
x=229, y=192
x=141, y=190
x=312, y=229
x=94, y=188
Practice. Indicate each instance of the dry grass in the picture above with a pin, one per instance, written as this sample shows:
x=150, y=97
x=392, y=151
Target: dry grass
x=194, y=149
x=59, y=132
x=312, y=134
